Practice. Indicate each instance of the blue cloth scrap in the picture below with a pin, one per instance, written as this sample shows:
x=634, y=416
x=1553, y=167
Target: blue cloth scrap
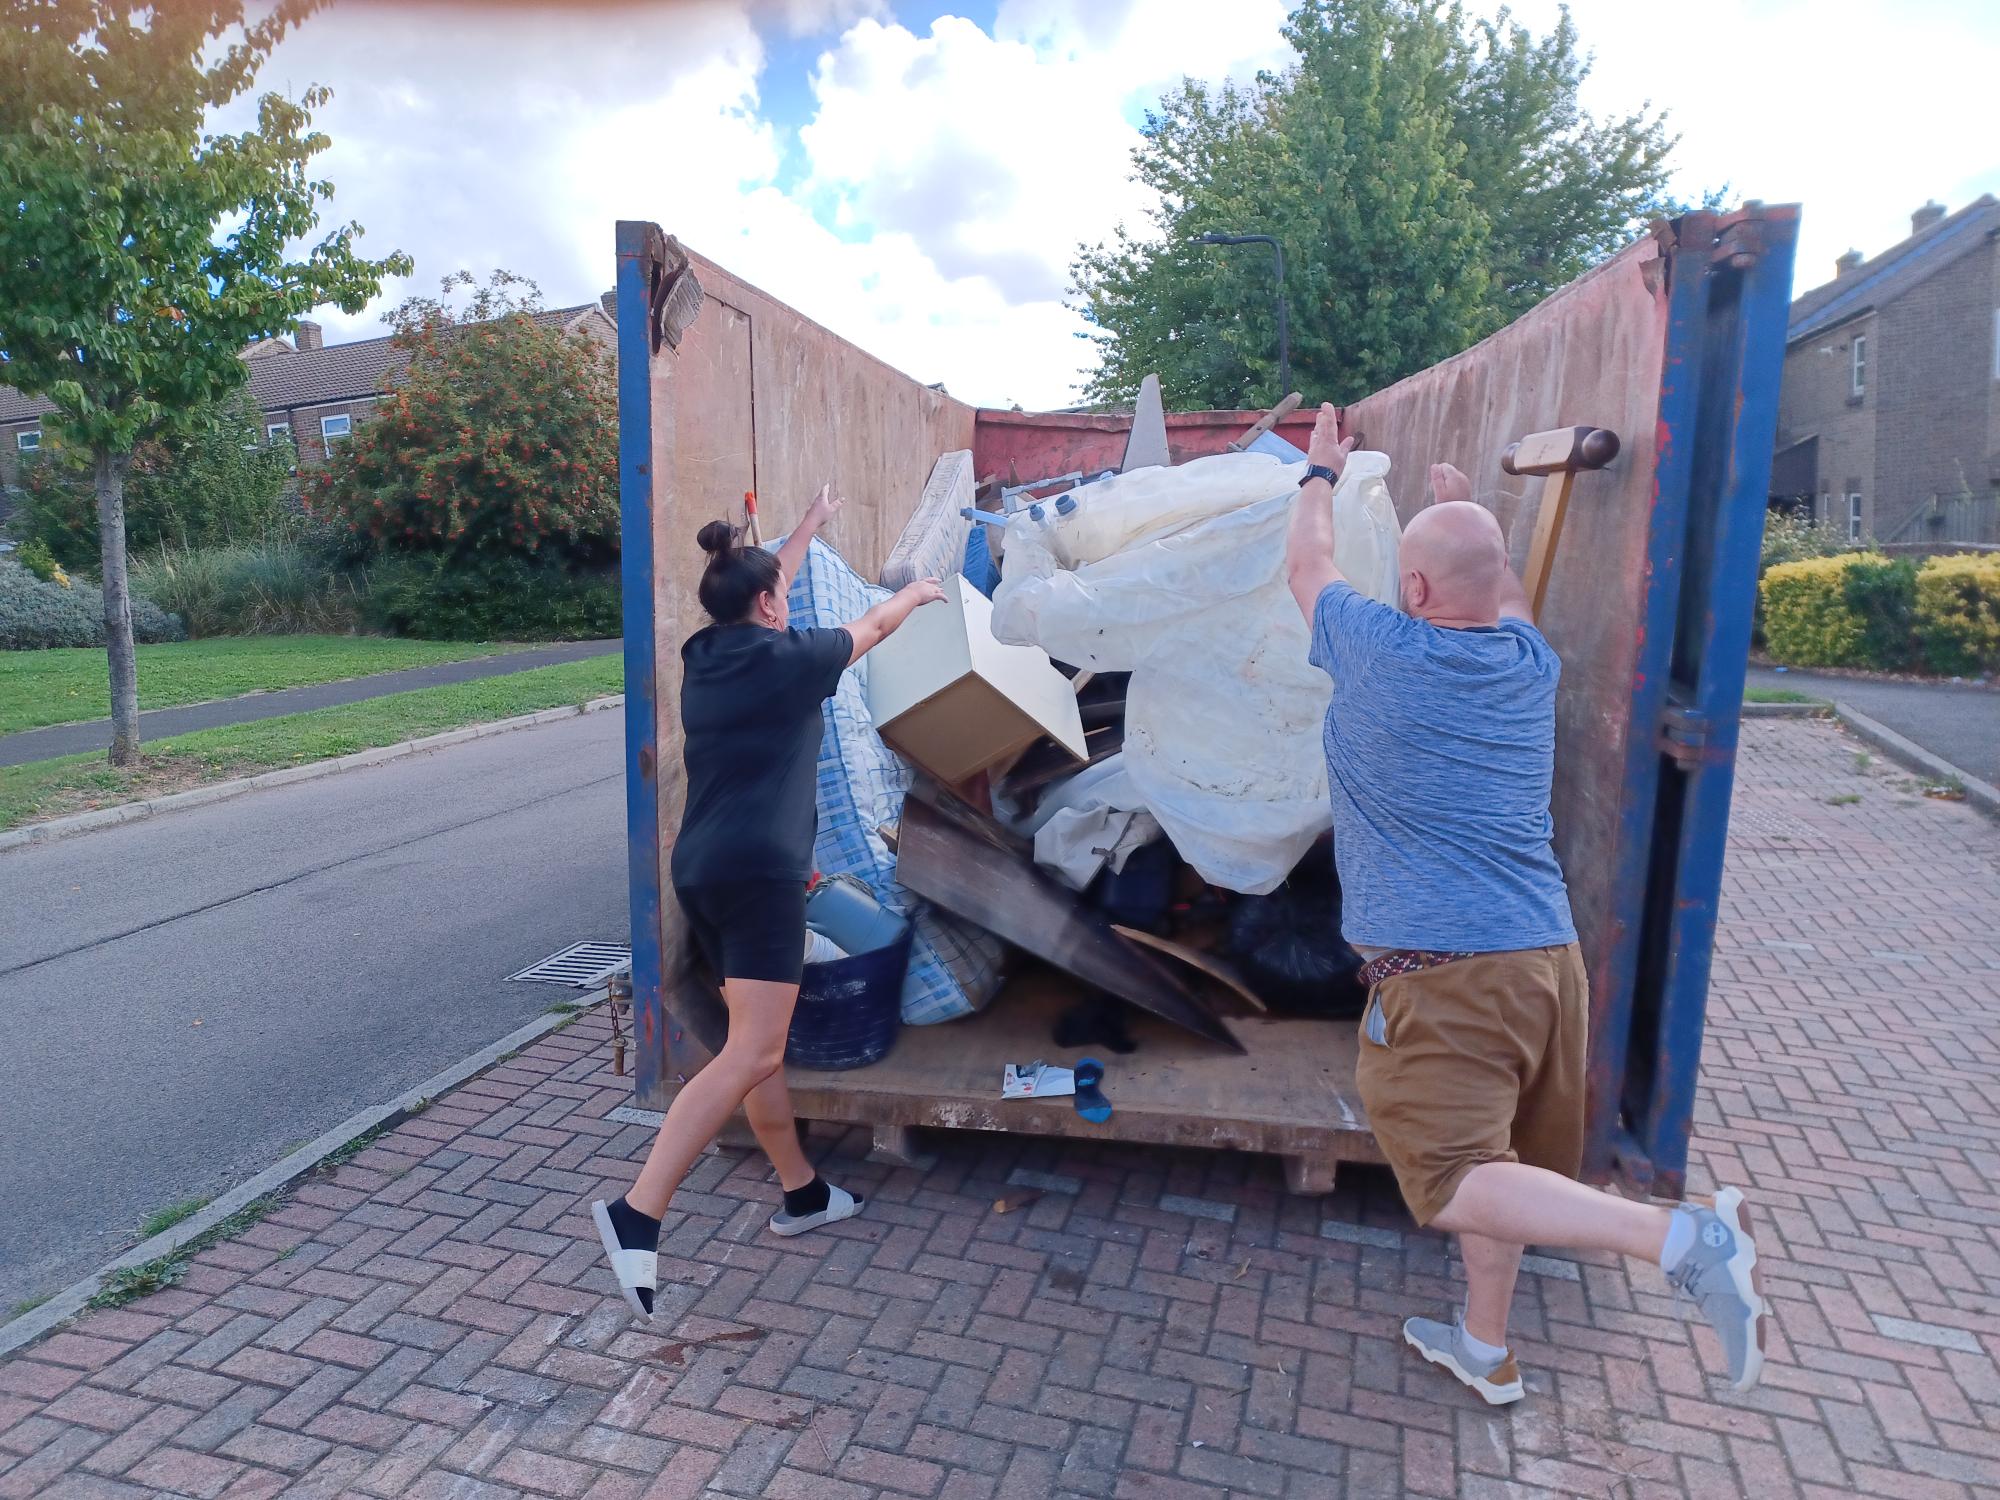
x=979, y=569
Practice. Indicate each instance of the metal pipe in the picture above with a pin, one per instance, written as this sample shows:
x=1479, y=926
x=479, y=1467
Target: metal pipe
x=1284, y=319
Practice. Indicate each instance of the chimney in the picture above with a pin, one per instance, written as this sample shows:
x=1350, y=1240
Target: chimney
x=609, y=302
x=1926, y=216
x=1847, y=265
x=309, y=335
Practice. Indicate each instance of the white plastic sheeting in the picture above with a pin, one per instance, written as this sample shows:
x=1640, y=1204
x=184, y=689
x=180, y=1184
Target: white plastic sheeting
x=1177, y=575
x=1094, y=819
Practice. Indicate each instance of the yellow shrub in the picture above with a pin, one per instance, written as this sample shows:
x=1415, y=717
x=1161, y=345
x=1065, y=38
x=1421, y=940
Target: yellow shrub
x=1958, y=612
x=1807, y=619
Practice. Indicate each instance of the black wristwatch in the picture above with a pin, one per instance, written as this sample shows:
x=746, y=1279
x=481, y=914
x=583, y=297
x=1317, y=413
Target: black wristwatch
x=1319, y=471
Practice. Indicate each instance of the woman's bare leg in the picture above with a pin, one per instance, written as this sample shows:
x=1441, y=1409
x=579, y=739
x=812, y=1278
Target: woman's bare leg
x=760, y=1014
x=769, y=1109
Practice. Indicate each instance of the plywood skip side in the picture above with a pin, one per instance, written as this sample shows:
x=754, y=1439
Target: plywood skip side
x=1593, y=353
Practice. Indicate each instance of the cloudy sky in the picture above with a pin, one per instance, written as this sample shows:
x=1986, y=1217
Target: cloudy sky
x=916, y=175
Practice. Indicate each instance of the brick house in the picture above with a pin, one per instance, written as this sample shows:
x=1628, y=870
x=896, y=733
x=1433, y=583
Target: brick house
x=317, y=392
x=1889, y=417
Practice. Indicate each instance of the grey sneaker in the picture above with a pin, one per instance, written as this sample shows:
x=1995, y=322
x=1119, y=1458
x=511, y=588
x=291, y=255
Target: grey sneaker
x=1719, y=1272
x=1498, y=1381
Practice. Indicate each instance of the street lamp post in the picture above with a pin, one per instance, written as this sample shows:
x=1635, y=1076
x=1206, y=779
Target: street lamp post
x=1284, y=323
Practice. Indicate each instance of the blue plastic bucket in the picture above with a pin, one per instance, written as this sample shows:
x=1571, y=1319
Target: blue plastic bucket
x=850, y=1010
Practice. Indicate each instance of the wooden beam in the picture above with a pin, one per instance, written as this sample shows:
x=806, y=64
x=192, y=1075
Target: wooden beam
x=1011, y=898
x=1265, y=423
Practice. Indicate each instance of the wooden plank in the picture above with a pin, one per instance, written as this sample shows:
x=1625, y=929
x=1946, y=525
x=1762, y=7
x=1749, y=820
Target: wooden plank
x=1007, y=895
x=1290, y=1091
x=1213, y=965
x=1265, y=423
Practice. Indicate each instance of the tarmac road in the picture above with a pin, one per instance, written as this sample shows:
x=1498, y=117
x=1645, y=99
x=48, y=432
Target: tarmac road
x=1957, y=720
x=186, y=998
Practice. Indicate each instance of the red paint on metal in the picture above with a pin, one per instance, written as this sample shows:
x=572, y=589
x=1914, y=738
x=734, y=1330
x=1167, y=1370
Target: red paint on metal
x=1037, y=444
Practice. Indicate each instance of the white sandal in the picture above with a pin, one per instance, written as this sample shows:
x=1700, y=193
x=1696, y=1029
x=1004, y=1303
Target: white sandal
x=638, y=1271
x=840, y=1204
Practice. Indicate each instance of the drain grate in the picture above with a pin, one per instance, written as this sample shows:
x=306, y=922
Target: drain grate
x=580, y=965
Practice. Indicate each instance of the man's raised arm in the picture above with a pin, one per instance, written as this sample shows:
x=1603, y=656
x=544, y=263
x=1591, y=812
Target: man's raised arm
x=1309, y=566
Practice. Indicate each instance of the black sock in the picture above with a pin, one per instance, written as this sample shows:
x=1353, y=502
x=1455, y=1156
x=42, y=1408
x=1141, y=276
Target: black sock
x=810, y=1199
x=636, y=1231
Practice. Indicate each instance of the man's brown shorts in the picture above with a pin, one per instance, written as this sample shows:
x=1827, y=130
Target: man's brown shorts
x=1482, y=1059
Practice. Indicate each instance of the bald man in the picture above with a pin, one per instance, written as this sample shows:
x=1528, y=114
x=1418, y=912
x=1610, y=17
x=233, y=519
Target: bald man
x=1440, y=747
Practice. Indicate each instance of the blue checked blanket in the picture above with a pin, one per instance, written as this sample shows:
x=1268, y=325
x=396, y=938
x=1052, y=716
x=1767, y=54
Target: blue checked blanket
x=954, y=967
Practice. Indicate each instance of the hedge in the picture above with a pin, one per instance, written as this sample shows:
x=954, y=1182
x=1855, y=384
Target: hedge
x=1854, y=610
x=35, y=613
x=1958, y=613
x=1862, y=609
x=492, y=598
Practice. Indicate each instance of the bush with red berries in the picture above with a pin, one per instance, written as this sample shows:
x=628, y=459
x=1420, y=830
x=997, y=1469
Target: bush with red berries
x=498, y=439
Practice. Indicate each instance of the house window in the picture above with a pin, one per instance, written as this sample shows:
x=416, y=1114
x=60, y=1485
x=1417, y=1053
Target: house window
x=28, y=442
x=1854, y=516
x=1825, y=511
x=334, y=427
x=275, y=430
x=1858, y=362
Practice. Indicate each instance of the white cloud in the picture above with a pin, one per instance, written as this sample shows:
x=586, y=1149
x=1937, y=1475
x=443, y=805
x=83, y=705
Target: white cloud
x=991, y=159
x=1858, y=109
x=811, y=17
x=949, y=176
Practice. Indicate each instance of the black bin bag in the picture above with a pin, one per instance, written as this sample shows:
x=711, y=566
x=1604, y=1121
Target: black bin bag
x=1289, y=946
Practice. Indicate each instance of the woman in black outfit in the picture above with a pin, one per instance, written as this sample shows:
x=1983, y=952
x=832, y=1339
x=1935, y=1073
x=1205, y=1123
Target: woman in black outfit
x=750, y=712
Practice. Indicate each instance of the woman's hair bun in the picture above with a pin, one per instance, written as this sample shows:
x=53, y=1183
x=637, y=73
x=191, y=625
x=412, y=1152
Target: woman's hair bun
x=717, y=537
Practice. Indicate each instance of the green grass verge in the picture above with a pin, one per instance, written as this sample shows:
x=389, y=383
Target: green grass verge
x=129, y=1283
x=77, y=783
x=1777, y=695
x=168, y=1217
x=39, y=688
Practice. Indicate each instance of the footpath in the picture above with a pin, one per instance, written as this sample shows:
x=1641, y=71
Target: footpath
x=431, y=1320
x=163, y=723
x=1957, y=721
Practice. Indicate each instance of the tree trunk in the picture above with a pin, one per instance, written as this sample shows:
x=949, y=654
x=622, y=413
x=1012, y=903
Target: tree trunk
x=110, y=475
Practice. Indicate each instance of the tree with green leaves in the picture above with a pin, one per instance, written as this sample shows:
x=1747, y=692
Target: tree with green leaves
x=216, y=478
x=139, y=250
x=1430, y=179
x=498, y=438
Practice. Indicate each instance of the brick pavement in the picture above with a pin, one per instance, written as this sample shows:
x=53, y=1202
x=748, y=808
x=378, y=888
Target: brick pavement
x=430, y=1320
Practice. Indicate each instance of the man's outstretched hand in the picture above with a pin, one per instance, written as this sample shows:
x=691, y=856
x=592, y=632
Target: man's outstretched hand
x=1449, y=483
x=1327, y=448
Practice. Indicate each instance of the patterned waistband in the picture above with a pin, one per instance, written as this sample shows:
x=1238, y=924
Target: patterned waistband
x=1403, y=961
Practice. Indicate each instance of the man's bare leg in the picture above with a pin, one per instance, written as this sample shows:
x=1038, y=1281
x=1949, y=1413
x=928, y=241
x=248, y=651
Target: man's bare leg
x=1707, y=1253
x=1491, y=1268
x=1523, y=1205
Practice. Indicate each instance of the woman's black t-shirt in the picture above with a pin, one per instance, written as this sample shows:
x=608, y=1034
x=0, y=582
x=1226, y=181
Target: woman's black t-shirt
x=750, y=714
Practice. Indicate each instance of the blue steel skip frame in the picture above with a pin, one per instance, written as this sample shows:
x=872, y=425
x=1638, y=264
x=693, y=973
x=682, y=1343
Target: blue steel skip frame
x=1728, y=298
x=1749, y=302
x=1727, y=306
x=642, y=790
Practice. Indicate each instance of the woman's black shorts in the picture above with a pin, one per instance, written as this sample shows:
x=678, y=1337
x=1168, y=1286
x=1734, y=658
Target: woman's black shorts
x=749, y=929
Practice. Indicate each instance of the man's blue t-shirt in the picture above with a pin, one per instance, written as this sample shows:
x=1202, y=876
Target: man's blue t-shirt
x=1440, y=747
